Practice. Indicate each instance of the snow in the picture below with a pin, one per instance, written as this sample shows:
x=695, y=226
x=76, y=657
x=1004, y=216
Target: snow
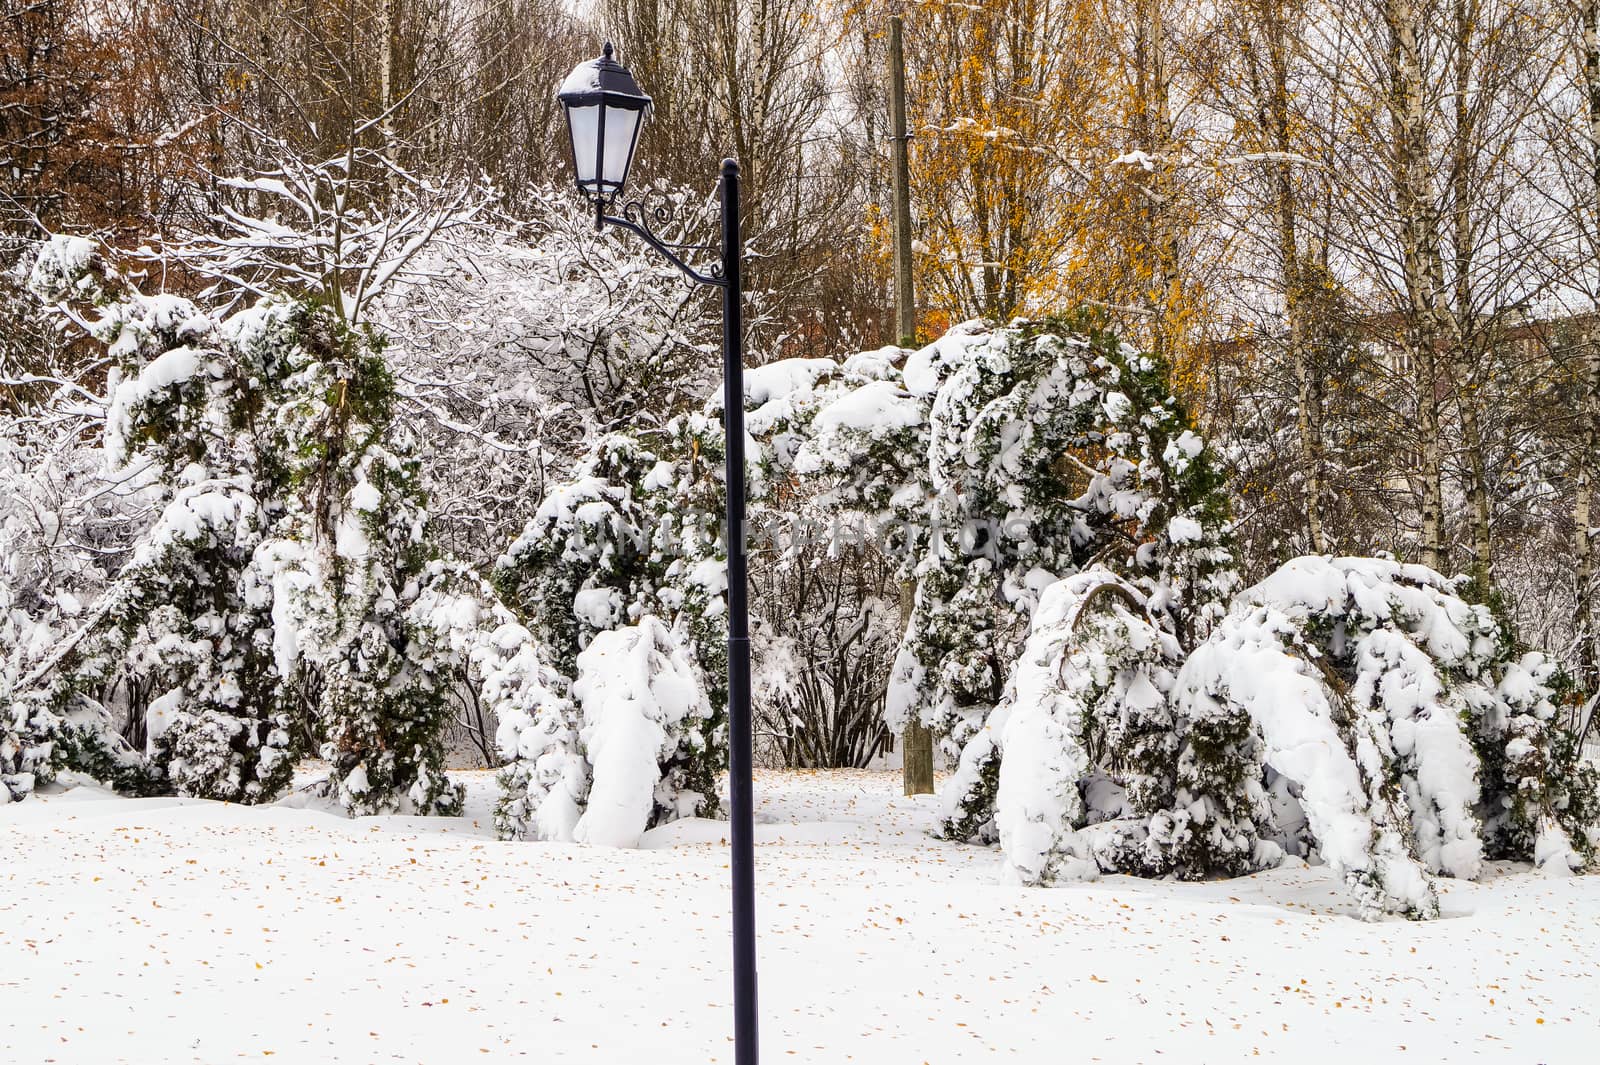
x=193, y=931
x=1184, y=530
x=585, y=77
x=780, y=391
x=1182, y=450
x=599, y=608
x=170, y=368
x=1553, y=853
x=875, y=407
x=61, y=267
x=926, y=367
x=350, y=535
x=283, y=566
x=774, y=380
x=1041, y=718
x=906, y=678
x=159, y=716
x=365, y=496
x=876, y=364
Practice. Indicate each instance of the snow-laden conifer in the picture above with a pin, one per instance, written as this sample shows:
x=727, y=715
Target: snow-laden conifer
x=1542, y=801
x=1413, y=739
x=643, y=719
x=178, y=617
x=629, y=545
x=1083, y=732
x=994, y=462
x=273, y=596
x=459, y=616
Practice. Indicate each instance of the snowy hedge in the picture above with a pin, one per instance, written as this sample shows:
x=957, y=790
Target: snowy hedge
x=1074, y=636
x=1088, y=695
x=1076, y=642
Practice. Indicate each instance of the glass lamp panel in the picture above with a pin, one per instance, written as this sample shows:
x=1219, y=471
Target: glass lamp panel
x=622, y=125
x=584, y=125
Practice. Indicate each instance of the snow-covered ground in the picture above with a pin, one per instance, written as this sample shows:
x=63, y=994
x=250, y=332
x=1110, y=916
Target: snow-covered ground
x=155, y=931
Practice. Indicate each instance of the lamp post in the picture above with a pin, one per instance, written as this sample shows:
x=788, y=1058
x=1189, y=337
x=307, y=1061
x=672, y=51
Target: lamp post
x=605, y=109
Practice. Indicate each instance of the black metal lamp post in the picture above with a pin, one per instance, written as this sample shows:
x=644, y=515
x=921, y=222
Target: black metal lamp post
x=605, y=109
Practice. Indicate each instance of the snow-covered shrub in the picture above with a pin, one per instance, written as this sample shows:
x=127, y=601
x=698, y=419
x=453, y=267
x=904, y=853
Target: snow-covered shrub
x=176, y=617
x=545, y=780
x=282, y=568
x=25, y=749
x=346, y=556
x=40, y=736
x=1542, y=800
x=459, y=617
x=837, y=593
x=1411, y=736
x=634, y=536
x=585, y=552
x=340, y=231
x=831, y=618
x=181, y=616
x=1355, y=707
x=1218, y=800
x=994, y=462
x=44, y=731
x=1042, y=480
x=643, y=718
x=63, y=533
x=1082, y=734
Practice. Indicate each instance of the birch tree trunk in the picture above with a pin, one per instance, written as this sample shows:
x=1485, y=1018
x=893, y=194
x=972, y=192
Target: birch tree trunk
x=386, y=28
x=1307, y=370
x=1466, y=334
x=1269, y=38
x=1153, y=115
x=1419, y=246
x=1589, y=437
x=1583, y=516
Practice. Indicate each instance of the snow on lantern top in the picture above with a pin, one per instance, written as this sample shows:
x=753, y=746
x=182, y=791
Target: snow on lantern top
x=605, y=109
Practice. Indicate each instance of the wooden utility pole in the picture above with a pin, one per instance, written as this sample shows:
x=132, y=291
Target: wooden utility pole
x=905, y=301
x=916, y=746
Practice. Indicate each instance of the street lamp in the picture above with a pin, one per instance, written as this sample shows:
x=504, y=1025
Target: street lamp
x=605, y=109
